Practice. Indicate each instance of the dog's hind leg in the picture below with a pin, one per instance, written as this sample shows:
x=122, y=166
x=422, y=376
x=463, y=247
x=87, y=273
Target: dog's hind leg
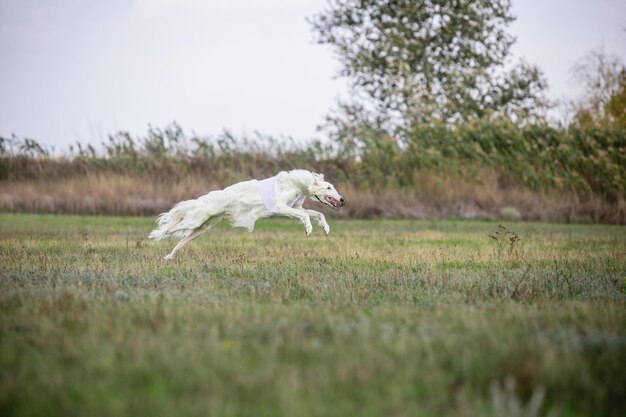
x=194, y=234
x=183, y=242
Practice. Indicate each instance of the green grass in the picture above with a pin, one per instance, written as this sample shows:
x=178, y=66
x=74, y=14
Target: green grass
x=393, y=318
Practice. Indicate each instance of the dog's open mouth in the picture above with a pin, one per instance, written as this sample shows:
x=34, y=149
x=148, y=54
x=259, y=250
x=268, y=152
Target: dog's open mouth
x=332, y=201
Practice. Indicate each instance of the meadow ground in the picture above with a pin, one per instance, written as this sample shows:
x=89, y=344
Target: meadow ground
x=382, y=318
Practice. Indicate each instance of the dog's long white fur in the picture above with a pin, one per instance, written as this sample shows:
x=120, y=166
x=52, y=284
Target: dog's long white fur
x=243, y=204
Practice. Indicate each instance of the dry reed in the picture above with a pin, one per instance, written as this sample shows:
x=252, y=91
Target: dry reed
x=436, y=197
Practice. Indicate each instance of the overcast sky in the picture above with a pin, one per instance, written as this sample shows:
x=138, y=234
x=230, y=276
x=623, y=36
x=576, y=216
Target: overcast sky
x=73, y=70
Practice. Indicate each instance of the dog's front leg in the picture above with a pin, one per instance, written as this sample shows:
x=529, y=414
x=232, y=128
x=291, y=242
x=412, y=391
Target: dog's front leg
x=321, y=220
x=303, y=216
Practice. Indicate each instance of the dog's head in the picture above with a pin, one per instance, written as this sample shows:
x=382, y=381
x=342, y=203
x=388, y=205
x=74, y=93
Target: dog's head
x=325, y=192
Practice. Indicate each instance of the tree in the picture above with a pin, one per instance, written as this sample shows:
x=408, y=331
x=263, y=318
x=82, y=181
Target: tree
x=603, y=102
x=443, y=60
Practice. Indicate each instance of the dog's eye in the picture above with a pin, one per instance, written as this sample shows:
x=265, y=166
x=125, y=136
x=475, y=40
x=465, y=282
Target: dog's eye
x=328, y=188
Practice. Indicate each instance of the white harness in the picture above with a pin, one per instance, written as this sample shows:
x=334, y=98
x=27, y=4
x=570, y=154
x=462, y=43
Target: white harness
x=267, y=188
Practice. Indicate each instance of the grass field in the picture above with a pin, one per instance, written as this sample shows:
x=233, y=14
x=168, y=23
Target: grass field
x=381, y=318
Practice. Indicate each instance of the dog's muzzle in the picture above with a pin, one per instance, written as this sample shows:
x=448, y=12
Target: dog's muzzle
x=334, y=202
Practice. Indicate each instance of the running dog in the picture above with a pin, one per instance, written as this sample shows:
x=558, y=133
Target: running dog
x=246, y=202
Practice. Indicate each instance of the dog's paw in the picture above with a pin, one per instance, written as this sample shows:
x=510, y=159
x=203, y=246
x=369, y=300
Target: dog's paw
x=308, y=228
x=168, y=257
x=326, y=229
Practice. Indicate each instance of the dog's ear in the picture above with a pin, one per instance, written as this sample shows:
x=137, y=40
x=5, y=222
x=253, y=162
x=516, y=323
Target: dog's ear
x=317, y=178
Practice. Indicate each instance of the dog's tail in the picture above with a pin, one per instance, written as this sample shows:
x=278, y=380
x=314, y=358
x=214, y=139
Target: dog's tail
x=184, y=217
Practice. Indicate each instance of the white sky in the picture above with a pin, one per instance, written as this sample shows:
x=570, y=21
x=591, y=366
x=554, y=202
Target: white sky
x=73, y=70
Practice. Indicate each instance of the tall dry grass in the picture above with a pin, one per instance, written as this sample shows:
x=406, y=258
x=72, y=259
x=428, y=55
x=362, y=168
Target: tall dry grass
x=99, y=194
x=435, y=197
x=485, y=169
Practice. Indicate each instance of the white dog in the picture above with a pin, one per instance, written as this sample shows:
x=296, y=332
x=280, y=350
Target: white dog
x=246, y=202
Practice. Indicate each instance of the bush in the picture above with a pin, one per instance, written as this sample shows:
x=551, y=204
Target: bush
x=436, y=164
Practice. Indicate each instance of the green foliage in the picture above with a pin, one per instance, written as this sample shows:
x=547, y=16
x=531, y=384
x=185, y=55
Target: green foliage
x=589, y=160
x=538, y=156
x=381, y=318
x=432, y=60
